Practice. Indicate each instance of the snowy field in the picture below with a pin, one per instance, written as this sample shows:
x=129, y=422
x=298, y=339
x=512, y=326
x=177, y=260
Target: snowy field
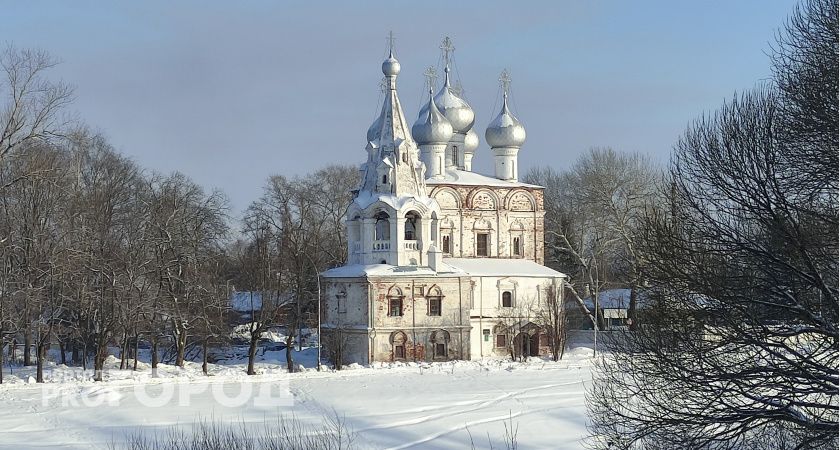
x=438, y=405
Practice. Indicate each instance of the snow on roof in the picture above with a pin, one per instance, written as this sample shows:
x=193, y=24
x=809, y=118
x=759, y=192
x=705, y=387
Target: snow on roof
x=450, y=267
x=361, y=270
x=367, y=198
x=502, y=267
x=246, y=301
x=614, y=299
x=471, y=178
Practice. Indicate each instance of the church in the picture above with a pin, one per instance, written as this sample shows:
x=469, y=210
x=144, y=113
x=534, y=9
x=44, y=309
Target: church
x=443, y=263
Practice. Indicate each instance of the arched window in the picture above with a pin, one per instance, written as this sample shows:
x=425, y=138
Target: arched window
x=411, y=220
x=398, y=341
x=517, y=246
x=383, y=226
x=384, y=179
x=507, y=299
x=440, y=344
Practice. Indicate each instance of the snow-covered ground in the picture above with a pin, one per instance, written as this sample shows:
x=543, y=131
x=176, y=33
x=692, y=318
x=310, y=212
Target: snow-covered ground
x=436, y=405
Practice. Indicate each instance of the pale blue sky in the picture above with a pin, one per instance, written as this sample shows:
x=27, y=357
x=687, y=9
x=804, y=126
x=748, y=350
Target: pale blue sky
x=232, y=92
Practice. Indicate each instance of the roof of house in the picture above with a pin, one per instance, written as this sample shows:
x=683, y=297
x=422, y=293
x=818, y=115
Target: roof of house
x=614, y=299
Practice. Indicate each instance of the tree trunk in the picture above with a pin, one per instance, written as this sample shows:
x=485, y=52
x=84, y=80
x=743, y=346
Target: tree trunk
x=204, y=356
x=136, y=351
x=61, y=348
x=1, y=359
x=27, y=344
x=99, y=358
x=290, y=362
x=74, y=352
x=252, y=352
x=13, y=351
x=631, y=308
x=181, y=346
x=123, y=351
x=84, y=355
x=41, y=353
x=154, y=354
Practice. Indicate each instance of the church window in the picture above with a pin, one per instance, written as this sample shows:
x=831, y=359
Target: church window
x=411, y=226
x=455, y=155
x=434, y=306
x=398, y=342
x=440, y=341
x=507, y=299
x=383, y=227
x=342, y=303
x=486, y=333
x=447, y=244
x=501, y=340
x=395, y=307
x=482, y=244
x=517, y=246
x=384, y=179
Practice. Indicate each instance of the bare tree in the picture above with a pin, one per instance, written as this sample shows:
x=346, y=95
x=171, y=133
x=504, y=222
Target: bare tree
x=32, y=105
x=553, y=315
x=740, y=347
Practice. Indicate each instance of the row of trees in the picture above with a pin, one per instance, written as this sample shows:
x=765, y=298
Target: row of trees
x=95, y=252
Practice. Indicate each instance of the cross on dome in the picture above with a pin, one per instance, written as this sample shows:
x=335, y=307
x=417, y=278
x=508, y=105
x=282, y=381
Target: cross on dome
x=391, y=40
x=448, y=50
x=431, y=77
x=504, y=80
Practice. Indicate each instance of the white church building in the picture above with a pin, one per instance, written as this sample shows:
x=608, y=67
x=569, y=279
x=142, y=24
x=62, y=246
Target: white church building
x=440, y=258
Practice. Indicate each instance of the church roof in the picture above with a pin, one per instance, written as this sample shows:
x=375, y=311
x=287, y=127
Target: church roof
x=481, y=267
x=363, y=270
x=475, y=179
x=502, y=267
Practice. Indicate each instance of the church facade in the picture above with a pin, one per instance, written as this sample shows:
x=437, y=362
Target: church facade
x=442, y=261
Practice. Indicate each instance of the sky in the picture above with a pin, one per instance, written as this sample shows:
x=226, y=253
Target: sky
x=230, y=93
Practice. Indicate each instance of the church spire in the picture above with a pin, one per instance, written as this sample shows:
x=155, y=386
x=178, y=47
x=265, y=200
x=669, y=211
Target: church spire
x=389, y=138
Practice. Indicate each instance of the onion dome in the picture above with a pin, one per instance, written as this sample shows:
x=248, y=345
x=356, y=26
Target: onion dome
x=432, y=127
x=391, y=67
x=471, y=141
x=375, y=128
x=454, y=108
x=505, y=130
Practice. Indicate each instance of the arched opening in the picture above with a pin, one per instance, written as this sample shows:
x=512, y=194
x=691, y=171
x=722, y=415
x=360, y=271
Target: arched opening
x=439, y=340
x=398, y=344
x=412, y=222
x=382, y=229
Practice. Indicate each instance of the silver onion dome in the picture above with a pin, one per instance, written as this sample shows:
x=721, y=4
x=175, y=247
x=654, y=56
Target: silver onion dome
x=432, y=127
x=453, y=107
x=391, y=67
x=375, y=128
x=471, y=141
x=505, y=130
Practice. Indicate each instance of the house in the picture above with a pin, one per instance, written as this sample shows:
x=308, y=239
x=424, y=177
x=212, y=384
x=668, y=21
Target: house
x=443, y=263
